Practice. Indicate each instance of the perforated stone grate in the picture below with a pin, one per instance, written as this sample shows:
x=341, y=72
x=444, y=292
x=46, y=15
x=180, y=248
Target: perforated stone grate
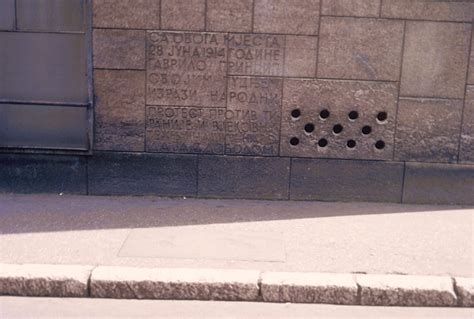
x=338, y=119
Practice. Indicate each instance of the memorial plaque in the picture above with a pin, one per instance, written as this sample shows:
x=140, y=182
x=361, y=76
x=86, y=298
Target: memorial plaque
x=186, y=69
x=253, y=115
x=338, y=119
x=256, y=54
x=179, y=129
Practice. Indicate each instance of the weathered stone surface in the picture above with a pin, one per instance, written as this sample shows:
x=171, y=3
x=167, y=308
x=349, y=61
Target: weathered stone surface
x=186, y=69
x=342, y=180
x=139, y=14
x=428, y=130
x=180, y=129
x=427, y=183
x=43, y=174
x=365, y=49
x=255, y=54
x=428, y=10
x=114, y=173
x=7, y=15
x=253, y=115
x=465, y=291
x=470, y=79
x=287, y=16
x=183, y=14
x=119, y=110
x=309, y=288
x=44, y=280
x=243, y=177
x=178, y=283
x=400, y=290
x=300, y=56
x=304, y=130
x=353, y=8
x=119, y=49
x=229, y=15
x=435, y=59
x=466, y=152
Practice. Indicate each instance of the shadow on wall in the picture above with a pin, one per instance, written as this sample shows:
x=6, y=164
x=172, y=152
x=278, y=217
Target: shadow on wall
x=43, y=213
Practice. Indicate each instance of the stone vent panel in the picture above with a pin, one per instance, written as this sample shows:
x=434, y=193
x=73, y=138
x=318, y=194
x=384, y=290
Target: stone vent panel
x=338, y=119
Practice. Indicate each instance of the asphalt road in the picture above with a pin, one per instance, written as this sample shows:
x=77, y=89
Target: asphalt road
x=22, y=307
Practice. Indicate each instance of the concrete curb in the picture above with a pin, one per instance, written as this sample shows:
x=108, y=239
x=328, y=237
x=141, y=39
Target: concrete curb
x=235, y=284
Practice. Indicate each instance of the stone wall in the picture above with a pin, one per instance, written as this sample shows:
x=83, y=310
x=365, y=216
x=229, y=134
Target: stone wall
x=301, y=99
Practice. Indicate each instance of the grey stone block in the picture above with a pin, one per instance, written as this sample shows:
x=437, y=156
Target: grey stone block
x=400, y=290
x=119, y=49
x=352, y=8
x=243, y=177
x=309, y=288
x=129, y=14
x=156, y=283
x=42, y=174
x=346, y=180
x=466, y=151
x=229, y=15
x=428, y=130
x=435, y=59
x=465, y=291
x=44, y=280
x=428, y=10
x=439, y=184
x=142, y=174
x=183, y=14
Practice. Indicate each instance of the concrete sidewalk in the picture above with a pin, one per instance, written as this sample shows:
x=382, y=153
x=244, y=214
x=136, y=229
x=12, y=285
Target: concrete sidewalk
x=267, y=236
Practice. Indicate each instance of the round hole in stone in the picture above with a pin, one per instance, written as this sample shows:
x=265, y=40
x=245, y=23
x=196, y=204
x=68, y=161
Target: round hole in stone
x=366, y=130
x=380, y=145
x=337, y=129
x=323, y=142
x=309, y=128
x=295, y=113
x=294, y=141
x=382, y=116
x=351, y=144
x=353, y=115
x=324, y=114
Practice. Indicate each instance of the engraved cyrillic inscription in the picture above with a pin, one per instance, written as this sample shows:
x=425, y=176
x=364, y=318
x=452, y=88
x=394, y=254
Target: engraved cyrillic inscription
x=185, y=129
x=252, y=119
x=186, y=69
x=256, y=54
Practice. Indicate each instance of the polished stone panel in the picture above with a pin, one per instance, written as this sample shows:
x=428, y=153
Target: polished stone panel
x=435, y=59
x=338, y=119
x=429, y=10
x=253, y=115
x=44, y=126
x=363, y=49
x=286, y=16
x=7, y=15
x=119, y=49
x=300, y=56
x=439, y=184
x=341, y=180
x=243, y=177
x=255, y=54
x=51, y=15
x=63, y=60
x=142, y=174
x=184, y=129
x=186, y=69
x=129, y=14
x=428, y=130
x=183, y=14
x=43, y=174
x=119, y=110
x=229, y=15
x=352, y=8
x=466, y=152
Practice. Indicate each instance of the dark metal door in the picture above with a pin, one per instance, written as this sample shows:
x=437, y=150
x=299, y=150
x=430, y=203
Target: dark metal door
x=45, y=87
